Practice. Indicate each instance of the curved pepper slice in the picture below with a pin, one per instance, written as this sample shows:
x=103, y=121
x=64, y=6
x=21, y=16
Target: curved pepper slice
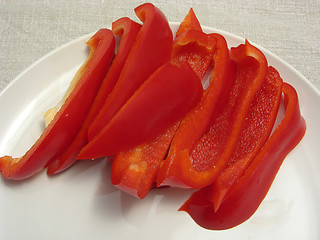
x=245, y=196
x=199, y=167
x=151, y=49
x=135, y=171
x=67, y=122
x=196, y=48
x=254, y=133
x=168, y=94
x=196, y=122
x=190, y=22
x=127, y=30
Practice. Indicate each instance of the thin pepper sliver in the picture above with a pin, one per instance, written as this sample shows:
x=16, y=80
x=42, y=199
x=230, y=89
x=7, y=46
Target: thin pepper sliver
x=190, y=22
x=127, y=30
x=256, y=130
x=151, y=49
x=67, y=122
x=200, y=166
x=134, y=171
x=196, y=122
x=244, y=198
x=196, y=48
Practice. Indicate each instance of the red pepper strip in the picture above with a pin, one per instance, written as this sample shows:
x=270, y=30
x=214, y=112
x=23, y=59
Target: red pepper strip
x=245, y=196
x=196, y=48
x=151, y=49
x=196, y=122
x=127, y=30
x=134, y=171
x=190, y=22
x=211, y=153
x=67, y=122
x=255, y=132
x=168, y=94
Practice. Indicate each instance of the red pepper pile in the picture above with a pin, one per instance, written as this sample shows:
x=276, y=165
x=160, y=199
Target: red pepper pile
x=144, y=107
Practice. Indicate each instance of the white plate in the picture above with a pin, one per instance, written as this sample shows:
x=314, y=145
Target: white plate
x=81, y=203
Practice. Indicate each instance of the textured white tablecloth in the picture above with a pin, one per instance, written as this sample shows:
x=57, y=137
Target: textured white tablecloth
x=30, y=29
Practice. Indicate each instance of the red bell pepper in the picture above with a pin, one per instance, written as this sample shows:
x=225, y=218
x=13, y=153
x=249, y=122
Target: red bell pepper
x=127, y=30
x=196, y=122
x=151, y=49
x=190, y=22
x=254, y=133
x=199, y=167
x=67, y=122
x=134, y=171
x=195, y=48
x=245, y=196
x=168, y=94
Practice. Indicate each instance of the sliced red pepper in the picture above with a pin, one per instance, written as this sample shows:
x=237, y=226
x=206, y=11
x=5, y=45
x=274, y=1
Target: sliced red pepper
x=190, y=22
x=67, y=122
x=127, y=30
x=135, y=171
x=168, y=94
x=200, y=166
x=151, y=49
x=195, y=48
x=196, y=122
x=255, y=132
x=246, y=195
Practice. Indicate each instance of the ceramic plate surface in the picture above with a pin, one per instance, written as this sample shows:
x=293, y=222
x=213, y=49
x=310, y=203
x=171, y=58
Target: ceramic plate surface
x=81, y=203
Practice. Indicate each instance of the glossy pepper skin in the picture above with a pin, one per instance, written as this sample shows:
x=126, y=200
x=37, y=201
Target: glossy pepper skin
x=67, y=122
x=196, y=48
x=245, y=196
x=255, y=131
x=174, y=90
x=190, y=22
x=151, y=49
x=196, y=122
x=127, y=30
x=134, y=171
x=200, y=166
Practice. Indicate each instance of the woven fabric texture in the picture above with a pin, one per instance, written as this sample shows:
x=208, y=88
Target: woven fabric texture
x=30, y=28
